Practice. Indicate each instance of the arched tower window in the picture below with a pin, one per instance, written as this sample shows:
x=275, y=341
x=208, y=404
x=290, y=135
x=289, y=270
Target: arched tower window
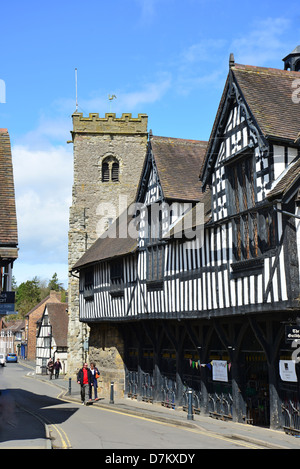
x=115, y=172
x=110, y=169
x=105, y=172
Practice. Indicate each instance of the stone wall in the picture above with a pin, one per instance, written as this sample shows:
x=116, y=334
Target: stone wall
x=95, y=203
x=106, y=349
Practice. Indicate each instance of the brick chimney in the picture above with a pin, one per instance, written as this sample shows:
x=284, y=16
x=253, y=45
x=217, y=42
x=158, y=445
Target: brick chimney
x=55, y=296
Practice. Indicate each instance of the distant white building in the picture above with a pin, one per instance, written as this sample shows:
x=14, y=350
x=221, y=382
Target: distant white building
x=51, y=340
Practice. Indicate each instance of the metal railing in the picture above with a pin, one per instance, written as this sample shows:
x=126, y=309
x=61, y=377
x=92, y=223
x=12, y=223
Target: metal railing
x=221, y=406
x=147, y=387
x=291, y=412
x=168, y=392
x=132, y=383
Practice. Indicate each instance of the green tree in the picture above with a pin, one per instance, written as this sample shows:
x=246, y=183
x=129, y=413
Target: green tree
x=28, y=295
x=54, y=284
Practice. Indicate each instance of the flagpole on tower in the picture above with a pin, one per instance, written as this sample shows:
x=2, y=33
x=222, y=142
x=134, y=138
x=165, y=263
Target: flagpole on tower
x=76, y=89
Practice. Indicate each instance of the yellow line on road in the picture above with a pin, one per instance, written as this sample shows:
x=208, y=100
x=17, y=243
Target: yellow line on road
x=65, y=444
x=182, y=427
x=191, y=430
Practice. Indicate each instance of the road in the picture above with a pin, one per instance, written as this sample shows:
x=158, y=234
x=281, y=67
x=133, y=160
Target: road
x=73, y=426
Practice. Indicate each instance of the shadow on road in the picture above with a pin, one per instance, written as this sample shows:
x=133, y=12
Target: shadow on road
x=23, y=414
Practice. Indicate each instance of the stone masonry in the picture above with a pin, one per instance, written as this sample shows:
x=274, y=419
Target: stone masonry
x=95, y=204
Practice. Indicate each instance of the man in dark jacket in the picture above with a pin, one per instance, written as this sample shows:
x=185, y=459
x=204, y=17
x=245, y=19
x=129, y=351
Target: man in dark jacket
x=84, y=378
x=57, y=368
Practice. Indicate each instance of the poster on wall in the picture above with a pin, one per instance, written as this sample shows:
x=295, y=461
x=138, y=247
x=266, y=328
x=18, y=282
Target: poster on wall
x=220, y=372
x=287, y=370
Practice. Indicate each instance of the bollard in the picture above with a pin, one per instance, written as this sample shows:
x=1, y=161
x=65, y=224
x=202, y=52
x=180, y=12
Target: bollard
x=111, y=393
x=190, y=415
x=69, y=386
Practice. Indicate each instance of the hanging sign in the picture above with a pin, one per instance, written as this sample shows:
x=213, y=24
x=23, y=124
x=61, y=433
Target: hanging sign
x=220, y=372
x=287, y=370
x=292, y=333
x=7, y=303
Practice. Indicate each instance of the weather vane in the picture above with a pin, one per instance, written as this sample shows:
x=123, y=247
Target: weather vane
x=111, y=97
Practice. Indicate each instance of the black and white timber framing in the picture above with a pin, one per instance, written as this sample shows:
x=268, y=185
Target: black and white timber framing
x=224, y=292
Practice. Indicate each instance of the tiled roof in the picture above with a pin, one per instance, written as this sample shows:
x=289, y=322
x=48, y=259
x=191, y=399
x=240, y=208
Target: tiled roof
x=178, y=162
x=15, y=326
x=8, y=218
x=115, y=242
x=269, y=94
x=58, y=317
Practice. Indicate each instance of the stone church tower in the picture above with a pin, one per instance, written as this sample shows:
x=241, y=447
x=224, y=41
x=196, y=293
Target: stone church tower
x=109, y=154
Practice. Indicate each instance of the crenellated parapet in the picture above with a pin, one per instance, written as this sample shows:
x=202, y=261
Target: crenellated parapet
x=110, y=124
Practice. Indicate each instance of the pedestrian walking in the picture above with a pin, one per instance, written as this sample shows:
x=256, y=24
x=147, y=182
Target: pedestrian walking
x=57, y=368
x=95, y=374
x=50, y=367
x=84, y=379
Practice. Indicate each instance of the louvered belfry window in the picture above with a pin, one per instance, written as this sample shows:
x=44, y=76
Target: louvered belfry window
x=115, y=172
x=110, y=170
x=105, y=172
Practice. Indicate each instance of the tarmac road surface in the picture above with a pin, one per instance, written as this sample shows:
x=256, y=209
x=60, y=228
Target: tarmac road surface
x=39, y=414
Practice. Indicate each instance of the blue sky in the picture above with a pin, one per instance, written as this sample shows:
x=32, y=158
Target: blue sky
x=165, y=58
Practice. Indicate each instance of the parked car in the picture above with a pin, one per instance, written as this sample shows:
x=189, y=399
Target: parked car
x=11, y=358
x=2, y=359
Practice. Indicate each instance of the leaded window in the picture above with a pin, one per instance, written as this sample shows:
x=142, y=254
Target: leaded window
x=241, y=202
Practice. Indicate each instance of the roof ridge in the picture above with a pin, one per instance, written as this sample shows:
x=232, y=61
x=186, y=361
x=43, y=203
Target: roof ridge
x=179, y=140
x=256, y=68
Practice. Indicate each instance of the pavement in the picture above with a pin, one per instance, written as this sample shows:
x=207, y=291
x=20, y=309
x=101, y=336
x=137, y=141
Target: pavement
x=263, y=438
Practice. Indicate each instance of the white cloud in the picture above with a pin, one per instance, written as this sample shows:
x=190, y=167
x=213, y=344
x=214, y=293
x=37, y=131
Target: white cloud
x=148, y=10
x=262, y=43
x=47, y=132
x=150, y=93
x=199, y=65
x=43, y=186
x=204, y=50
x=133, y=101
x=128, y=101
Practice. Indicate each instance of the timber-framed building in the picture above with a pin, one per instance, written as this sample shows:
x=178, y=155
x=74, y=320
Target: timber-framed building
x=203, y=291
